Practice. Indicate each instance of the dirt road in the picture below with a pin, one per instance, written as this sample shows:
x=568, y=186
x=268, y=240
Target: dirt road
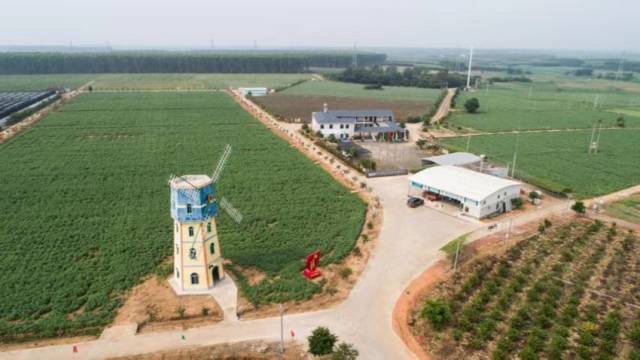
x=445, y=107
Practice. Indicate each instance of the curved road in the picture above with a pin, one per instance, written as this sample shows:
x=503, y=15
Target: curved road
x=408, y=243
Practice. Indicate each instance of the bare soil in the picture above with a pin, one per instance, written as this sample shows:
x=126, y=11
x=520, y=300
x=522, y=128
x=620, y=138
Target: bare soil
x=153, y=305
x=292, y=107
x=236, y=351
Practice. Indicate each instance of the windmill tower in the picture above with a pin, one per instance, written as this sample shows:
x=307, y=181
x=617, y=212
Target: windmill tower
x=197, y=253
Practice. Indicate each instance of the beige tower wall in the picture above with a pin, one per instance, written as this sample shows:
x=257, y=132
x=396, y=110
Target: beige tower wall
x=204, y=241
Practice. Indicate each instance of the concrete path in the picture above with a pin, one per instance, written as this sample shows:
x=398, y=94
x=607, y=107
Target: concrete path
x=226, y=295
x=408, y=243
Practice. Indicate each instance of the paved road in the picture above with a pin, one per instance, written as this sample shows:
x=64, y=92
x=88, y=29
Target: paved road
x=408, y=243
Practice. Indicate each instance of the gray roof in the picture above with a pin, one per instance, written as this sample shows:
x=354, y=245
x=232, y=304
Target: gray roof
x=457, y=158
x=383, y=126
x=347, y=116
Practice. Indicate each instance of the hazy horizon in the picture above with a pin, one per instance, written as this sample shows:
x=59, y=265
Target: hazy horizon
x=494, y=24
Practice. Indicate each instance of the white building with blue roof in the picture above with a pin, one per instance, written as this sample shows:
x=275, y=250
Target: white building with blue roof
x=365, y=124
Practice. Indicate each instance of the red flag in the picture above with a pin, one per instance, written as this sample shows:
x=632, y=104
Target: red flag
x=293, y=334
x=75, y=349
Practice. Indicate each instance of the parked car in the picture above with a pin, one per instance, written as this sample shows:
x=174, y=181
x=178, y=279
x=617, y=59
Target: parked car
x=413, y=201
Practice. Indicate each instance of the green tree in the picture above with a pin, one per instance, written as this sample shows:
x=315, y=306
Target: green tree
x=472, y=105
x=344, y=351
x=437, y=312
x=321, y=341
x=579, y=207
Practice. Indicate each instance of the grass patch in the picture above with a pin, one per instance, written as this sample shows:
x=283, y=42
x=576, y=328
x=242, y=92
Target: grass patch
x=627, y=209
x=340, y=89
x=560, y=161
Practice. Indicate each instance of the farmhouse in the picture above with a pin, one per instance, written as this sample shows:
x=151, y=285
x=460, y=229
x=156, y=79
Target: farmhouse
x=479, y=195
x=364, y=124
x=254, y=91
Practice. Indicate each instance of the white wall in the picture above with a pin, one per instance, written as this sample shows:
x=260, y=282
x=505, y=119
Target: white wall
x=333, y=129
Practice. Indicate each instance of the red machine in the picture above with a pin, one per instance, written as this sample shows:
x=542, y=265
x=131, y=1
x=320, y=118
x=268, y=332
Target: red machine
x=311, y=265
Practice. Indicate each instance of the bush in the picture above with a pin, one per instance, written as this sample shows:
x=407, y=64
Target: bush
x=437, y=312
x=472, y=105
x=344, y=351
x=321, y=341
x=579, y=207
x=205, y=311
x=516, y=203
x=345, y=272
x=374, y=87
x=414, y=119
x=180, y=311
x=152, y=311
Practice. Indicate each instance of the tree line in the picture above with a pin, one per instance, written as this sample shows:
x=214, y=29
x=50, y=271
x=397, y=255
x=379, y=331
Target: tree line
x=176, y=62
x=411, y=76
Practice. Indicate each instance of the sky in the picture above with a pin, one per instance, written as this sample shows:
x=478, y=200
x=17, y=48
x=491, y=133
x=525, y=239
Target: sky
x=495, y=24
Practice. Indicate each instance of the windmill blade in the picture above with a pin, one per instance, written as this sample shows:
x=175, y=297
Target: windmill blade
x=231, y=211
x=221, y=163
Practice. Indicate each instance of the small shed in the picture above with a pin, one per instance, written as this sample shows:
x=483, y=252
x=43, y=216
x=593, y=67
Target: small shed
x=254, y=91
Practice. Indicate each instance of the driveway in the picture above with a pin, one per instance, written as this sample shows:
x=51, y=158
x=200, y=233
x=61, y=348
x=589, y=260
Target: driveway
x=408, y=243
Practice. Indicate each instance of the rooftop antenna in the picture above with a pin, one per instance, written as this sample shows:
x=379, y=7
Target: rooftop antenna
x=620, y=67
x=469, y=69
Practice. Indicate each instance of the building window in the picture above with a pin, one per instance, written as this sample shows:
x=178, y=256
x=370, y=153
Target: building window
x=208, y=227
x=346, y=126
x=177, y=273
x=177, y=250
x=192, y=253
x=194, y=279
x=341, y=126
x=321, y=126
x=190, y=230
x=212, y=248
x=189, y=209
x=330, y=126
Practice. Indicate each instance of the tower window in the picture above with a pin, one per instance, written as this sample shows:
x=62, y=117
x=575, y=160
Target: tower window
x=190, y=230
x=176, y=227
x=177, y=273
x=189, y=209
x=208, y=227
x=192, y=254
x=177, y=250
x=194, y=279
x=212, y=248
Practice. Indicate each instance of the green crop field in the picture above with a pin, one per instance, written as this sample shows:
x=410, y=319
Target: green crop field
x=86, y=207
x=149, y=81
x=546, y=105
x=560, y=160
x=626, y=209
x=565, y=292
x=42, y=82
x=340, y=89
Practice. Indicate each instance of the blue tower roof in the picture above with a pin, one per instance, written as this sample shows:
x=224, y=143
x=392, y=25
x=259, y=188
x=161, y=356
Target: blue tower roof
x=192, y=198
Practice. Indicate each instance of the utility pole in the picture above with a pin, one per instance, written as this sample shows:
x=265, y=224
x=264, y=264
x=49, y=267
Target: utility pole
x=455, y=262
x=469, y=69
x=281, y=329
